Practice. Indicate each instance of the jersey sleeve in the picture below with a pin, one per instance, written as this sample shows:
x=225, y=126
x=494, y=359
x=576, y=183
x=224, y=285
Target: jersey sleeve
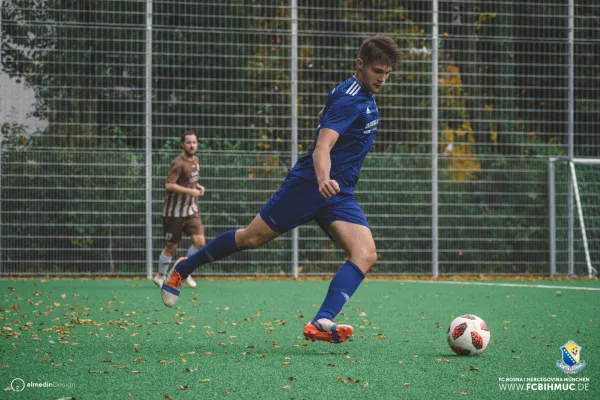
x=340, y=114
x=174, y=172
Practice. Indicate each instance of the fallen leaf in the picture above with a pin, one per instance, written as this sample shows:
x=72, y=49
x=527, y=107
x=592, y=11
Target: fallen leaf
x=136, y=371
x=442, y=360
x=136, y=348
x=291, y=378
x=464, y=393
x=186, y=387
x=341, y=379
x=473, y=368
x=205, y=380
x=366, y=384
x=406, y=384
x=285, y=363
x=287, y=387
x=97, y=372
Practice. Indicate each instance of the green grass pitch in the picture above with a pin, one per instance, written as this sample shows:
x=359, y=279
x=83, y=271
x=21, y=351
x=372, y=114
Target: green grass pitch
x=99, y=339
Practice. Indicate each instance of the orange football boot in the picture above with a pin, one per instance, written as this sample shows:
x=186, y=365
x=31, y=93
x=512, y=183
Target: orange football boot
x=171, y=287
x=337, y=333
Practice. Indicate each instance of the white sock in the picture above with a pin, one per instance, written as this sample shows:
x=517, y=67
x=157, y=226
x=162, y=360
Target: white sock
x=163, y=263
x=191, y=251
x=325, y=323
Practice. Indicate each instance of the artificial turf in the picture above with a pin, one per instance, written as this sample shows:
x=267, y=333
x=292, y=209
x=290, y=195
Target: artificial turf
x=97, y=339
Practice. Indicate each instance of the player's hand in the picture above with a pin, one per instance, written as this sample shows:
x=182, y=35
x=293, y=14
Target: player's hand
x=329, y=188
x=201, y=189
x=195, y=193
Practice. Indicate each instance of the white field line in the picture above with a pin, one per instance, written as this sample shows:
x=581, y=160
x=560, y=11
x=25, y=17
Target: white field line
x=503, y=285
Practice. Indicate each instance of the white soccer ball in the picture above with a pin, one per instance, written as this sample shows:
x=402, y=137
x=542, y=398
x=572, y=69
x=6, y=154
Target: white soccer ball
x=468, y=335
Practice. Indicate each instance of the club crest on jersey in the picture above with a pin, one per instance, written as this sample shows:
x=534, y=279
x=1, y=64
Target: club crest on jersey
x=570, y=362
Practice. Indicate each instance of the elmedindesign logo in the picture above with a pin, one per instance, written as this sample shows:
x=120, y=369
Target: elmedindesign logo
x=571, y=362
x=17, y=384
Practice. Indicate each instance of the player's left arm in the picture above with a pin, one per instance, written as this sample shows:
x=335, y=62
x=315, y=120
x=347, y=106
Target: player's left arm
x=200, y=188
x=322, y=162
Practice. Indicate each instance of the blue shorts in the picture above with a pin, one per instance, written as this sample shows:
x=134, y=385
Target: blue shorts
x=298, y=201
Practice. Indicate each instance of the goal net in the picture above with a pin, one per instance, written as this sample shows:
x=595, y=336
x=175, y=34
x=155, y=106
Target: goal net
x=574, y=202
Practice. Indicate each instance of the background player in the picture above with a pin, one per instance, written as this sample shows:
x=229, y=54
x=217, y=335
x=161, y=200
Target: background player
x=320, y=187
x=180, y=210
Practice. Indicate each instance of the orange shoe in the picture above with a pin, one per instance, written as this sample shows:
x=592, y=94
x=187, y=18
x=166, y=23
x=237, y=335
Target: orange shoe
x=171, y=288
x=336, y=334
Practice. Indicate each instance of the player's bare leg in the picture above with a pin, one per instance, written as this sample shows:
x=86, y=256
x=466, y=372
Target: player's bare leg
x=360, y=246
x=257, y=234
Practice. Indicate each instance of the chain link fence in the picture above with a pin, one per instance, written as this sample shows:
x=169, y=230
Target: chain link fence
x=95, y=95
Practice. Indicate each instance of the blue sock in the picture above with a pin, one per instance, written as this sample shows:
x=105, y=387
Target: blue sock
x=342, y=287
x=217, y=249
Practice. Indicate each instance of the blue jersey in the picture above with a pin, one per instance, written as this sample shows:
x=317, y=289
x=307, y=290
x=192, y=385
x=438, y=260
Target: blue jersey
x=350, y=111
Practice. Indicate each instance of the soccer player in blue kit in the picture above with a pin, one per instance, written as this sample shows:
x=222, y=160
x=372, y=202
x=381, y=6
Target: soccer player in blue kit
x=320, y=187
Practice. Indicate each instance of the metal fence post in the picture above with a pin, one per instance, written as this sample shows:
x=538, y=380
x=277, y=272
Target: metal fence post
x=552, y=215
x=1, y=150
x=294, y=106
x=434, y=142
x=148, y=139
x=571, y=33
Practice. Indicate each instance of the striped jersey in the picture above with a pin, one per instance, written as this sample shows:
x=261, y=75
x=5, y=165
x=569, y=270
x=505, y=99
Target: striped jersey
x=350, y=111
x=184, y=173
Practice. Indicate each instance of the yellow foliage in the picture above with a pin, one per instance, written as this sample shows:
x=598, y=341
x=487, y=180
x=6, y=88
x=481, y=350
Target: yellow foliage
x=463, y=162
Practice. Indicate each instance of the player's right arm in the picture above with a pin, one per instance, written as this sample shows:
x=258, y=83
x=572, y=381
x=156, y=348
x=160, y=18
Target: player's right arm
x=322, y=162
x=174, y=187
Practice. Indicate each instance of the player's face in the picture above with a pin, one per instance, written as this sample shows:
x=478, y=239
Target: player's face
x=190, y=145
x=374, y=75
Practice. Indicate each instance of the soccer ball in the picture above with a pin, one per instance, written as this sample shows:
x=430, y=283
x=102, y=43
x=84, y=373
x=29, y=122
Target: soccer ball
x=468, y=335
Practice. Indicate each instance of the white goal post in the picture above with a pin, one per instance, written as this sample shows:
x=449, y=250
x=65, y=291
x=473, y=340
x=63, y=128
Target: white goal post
x=573, y=193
